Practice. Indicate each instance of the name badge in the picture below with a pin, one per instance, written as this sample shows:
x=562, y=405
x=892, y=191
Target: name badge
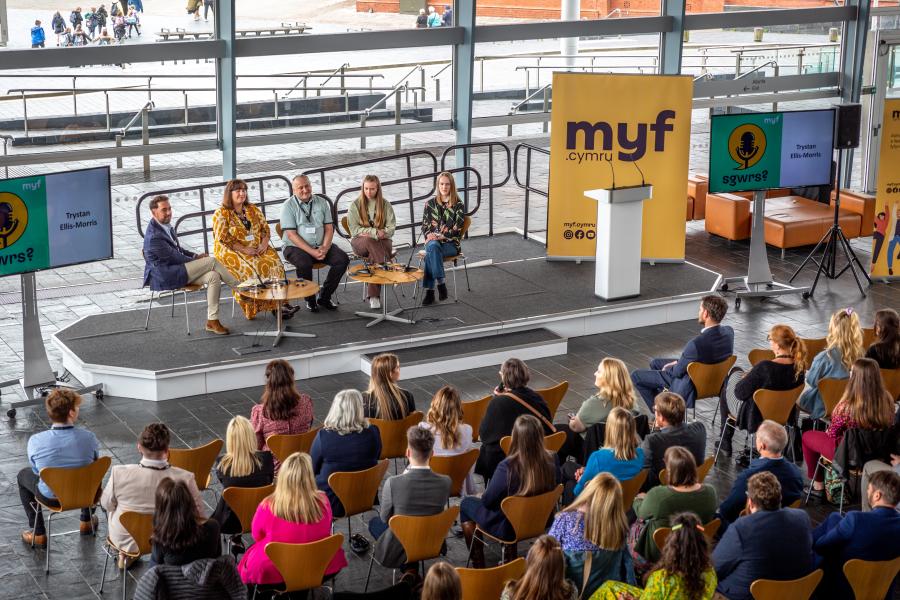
x=248, y=237
x=309, y=231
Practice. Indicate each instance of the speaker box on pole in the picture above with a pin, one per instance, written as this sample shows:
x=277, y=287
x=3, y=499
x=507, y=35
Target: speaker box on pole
x=847, y=122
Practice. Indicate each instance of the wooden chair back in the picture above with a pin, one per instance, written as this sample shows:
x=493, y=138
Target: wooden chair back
x=795, y=589
x=702, y=471
x=473, y=413
x=553, y=396
x=356, y=489
x=813, y=347
x=393, y=433
x=871, y=579
x=552, y=442
x=243, y=502
x=631, y=487
x=77, y=487
x=891, y=379
x=283, y=445
x=422, y=537
x=140, y=527
x=831, y=391
x=757, y=355
x=868, y=336
x=708, y=379
x=709, y=530
x=488, y=584
x=528, y=515
x=198, y=461
x=776, y=406
x=456, y=467
x=467, y=222
x=345, y=225
x=314, y=556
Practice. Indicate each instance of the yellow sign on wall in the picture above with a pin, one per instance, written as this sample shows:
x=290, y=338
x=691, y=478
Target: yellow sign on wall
x=618, y=129
x=886, y=237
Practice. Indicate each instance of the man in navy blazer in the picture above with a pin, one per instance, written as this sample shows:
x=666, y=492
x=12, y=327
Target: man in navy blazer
x=714, y=344
x=168, y=266
x=769, y=543
x=871, y=535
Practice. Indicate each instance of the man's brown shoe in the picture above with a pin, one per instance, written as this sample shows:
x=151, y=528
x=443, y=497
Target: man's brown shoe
x=84, y=527
x=216, y=327
x=39, y=540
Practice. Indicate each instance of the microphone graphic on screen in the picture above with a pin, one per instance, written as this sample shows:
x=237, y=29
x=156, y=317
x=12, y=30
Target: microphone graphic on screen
x=747, y=148
x=8, y=223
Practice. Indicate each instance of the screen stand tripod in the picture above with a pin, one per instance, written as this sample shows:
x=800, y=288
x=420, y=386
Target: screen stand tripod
x=834, y=241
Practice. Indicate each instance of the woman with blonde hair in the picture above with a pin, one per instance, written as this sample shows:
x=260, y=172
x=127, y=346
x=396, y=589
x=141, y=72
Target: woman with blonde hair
x=296, y=513
x=621, y=455
x=595, y=526
x=866, y=404
x=545, y=575
x=442, y=227
x=451, y=435
x=844, y=346
x=372, y=223
x=385, y=399
x=441, y=583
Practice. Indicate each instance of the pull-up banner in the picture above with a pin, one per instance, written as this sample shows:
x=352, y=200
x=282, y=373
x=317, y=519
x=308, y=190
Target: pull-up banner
x=886, y=237
x=622, y=130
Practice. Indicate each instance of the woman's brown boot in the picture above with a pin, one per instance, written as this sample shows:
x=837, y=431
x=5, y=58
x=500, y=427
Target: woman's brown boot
x=476, y=554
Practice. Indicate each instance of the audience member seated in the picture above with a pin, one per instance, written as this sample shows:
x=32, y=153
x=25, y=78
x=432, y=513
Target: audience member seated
x=529, y=470
x=844, y=346
x=872, y=467
x=614, y=389
x=371, y=221
x=63, y=445
x=282, y=409
x=684, y=493
x=620, y=456
x=442, y=583
x=865, y=405
x=595, y=525
x=714, y=344
x=244, y=466
x=784, y=372
x=180, y=533
x=771, y=440
x=296, y=513
x=545, y=575
x=863, y=535
x=443, y=219
x=672, y=431
x=683, y=572
x=417, y=492
x=451, y=435
x=206, y=579
x=346, y=442
x=385, y=399
x=512, y=398
x=241, y=243
x=769, y=543
x=886, y=348
x=132, y=488
x=170, y=267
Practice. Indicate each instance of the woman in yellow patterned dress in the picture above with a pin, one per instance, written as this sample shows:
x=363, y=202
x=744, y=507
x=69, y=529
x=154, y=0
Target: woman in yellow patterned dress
x=242, y=239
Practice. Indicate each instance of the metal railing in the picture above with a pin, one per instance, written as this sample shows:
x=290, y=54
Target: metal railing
x=466, y=150
x=144, y=115
x=546, y=106
x=529, y=150
x=6, y=139
x=402, y=84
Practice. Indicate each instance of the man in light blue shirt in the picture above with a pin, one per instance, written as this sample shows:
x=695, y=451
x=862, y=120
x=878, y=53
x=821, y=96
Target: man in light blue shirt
x=63, y=445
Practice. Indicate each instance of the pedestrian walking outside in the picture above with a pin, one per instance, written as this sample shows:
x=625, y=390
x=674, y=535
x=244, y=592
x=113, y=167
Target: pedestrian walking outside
x=434, y=19
x=133, y=21
x=76, y=18
x=37, y=35
x=80, y=37
x=102, y=16
x=91, y=25
x=58, y=24
x=422, y=19
x=208, y=5
x=447, y=17
x=68, y=38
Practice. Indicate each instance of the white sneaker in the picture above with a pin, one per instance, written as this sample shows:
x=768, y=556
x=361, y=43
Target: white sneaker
x=374, y=302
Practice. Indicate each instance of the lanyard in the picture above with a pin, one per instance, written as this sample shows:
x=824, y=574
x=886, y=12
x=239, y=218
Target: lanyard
x=307, y=214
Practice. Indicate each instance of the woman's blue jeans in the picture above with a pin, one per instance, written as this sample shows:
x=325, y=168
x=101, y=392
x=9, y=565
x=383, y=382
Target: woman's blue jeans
x=435, y=251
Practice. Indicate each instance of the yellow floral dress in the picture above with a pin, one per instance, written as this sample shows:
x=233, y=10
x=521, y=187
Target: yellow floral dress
x=661, y=585
x=229, y=232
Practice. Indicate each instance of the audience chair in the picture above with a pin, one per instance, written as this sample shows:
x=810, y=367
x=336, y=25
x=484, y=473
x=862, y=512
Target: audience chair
x=709, y=530
x=813, y=347
x=702, y=471
x=198, y=461
x=455, y=260
x=891, y=379
x=831, y=391
x=473, y=413
x=795, y=589
x=140, y=527
x=283, y=445
x=75, y=489
x=456, y=467
x=868, y=336
x=393, y=434
x=552, y=442
x=401, y=591
x=184, y=291
x=870, y=580
x=631, y=487
x=421, y=537
x=757, y=355
x=528, y=516
x=314, y=556
x=554, y=395
x=708, y=380
x=243, y=502
x=777, y=406
x=357, y=489
x=488, y=584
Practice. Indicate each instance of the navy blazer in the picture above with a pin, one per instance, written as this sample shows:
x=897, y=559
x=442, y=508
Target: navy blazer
x=164, y=259
x=773, y=544
x=865, y=535
x=785, y=471
x=332, y=452
x=712, y=346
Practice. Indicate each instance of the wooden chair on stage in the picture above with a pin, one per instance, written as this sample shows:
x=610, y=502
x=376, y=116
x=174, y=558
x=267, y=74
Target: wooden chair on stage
x=488, y=584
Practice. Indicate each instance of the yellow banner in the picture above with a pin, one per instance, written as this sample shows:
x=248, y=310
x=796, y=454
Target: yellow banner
x=886, y=238
x=634, y=124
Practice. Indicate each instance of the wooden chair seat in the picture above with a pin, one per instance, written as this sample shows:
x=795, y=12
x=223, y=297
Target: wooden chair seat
x=891, y=379
x=631, y=487
x=314, y=556
x=757, y=355
x=473, y=413
x=552, y=442
x=357, y=489
x=393, y=434
x=708, y=379
x=871, y=579
x=198, y=461
x=795, y=589
x=813, y=347
x=554, y=395
x=831, y=391
x=244, y=501
x=488, y=584
x=283, y=445
x=457, y=467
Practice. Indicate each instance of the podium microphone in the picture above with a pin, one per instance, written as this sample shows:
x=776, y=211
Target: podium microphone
x=643, y=183
x=613, y=173
x=412, y=253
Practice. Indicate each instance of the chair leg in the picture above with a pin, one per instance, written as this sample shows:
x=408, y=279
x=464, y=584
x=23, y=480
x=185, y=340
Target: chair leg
x=791, y=443
x=173, y=304
x=49, y=522
x=125, y=584
x=466, y=271
x=722, y=437
x=149, y=306
x=103, y=577
x=255, y=589
x=369, y=573
x=455, y=291
x=187, y=320
x=815, y=472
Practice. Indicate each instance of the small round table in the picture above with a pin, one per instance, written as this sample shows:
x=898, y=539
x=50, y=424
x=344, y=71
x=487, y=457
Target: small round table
x=395, y=274
x=280, y=293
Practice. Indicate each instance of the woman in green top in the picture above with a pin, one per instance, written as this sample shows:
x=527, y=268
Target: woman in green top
x=684, y=571
x=683, y=493
x=372, y=223
x=442, y=226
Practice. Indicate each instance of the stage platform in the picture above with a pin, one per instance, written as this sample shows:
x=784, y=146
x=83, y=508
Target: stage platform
x=514, y=290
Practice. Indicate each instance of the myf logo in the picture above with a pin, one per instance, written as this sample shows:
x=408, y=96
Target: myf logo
x=13, y=219
x=746, y=145
x=895, y=115
x=630, y=149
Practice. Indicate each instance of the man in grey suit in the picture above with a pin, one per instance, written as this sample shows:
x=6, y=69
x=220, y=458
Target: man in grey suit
x=418, y=492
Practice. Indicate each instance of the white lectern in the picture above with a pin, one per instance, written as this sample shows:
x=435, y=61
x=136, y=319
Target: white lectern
x=619, y=217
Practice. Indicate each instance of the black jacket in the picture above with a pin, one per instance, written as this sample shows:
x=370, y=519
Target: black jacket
x=207, y=579
x=228, y=521
x=690, y=435
x=501, y=414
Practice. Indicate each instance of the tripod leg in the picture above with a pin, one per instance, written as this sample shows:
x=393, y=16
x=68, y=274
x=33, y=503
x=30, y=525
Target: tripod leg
x=854, y=258
x=849, y=252
x=823, y=265
x=809, y=258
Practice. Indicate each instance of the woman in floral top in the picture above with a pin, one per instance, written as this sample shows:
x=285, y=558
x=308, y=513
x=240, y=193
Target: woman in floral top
x=282, y=410
x=864, y=405
x=442, y=226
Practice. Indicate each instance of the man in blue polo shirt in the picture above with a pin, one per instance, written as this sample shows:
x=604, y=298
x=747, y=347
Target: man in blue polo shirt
x=63, y=445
